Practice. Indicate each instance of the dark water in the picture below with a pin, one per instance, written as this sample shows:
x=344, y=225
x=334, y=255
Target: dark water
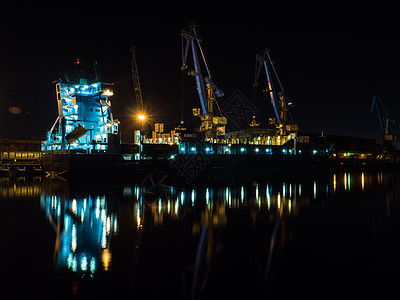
x=329, y=235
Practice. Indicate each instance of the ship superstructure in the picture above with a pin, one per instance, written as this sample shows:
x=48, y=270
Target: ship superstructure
x=85, y=121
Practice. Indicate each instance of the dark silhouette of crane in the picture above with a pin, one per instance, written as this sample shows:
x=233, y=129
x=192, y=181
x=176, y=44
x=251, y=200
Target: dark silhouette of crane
x=386, y=127
x=136, y=83
x=279, y=101
x=385, y=123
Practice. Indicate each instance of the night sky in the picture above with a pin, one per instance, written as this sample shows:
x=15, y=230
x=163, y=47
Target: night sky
x=331, y=60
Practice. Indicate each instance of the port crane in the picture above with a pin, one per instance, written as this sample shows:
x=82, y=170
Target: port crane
x=279, y=101
x=212, y=125
x=136, y=86
x=384, y=122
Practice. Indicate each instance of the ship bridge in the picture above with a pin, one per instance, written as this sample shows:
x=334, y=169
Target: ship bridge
x=85, y=120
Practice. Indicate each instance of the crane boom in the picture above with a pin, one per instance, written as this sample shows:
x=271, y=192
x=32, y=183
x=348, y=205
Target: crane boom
x=383, y=119
x=191, y=41
x=260, y=62
x=279, y=101
x=206, y=88
x=199, y=78
x=136, y=82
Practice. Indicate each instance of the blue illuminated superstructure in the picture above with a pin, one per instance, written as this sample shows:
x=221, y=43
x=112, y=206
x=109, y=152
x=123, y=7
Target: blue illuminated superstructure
x=85, y=121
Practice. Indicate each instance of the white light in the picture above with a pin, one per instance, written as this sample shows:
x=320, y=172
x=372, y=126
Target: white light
x=108, y=225
x=193, y=196
x=74, y=209
x=92, y=265
x=84, y=264
x=73, y=239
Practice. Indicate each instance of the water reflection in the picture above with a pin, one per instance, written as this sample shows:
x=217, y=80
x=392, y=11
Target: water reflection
x=83, y=226
x=200, y=239
x=20, y=187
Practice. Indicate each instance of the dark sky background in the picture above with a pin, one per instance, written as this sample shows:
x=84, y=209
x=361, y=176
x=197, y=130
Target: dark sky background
x=331, y=60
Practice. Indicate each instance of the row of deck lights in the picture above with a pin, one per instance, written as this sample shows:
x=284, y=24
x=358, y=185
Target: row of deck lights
x=257, y=150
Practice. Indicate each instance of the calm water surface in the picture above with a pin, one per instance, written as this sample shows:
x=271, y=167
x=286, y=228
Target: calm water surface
x=329, y=235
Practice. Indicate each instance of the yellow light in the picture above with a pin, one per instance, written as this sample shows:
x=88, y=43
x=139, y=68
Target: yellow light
x=106, y=258
x=108, y=93
x=141, y=117
x=362, y=181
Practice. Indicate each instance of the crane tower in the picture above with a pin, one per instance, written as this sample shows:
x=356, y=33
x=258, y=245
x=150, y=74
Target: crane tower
x=136, y=84
x=212, y=124
x=279, y=101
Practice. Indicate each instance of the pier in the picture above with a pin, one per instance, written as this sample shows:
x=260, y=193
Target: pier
x=20, y=156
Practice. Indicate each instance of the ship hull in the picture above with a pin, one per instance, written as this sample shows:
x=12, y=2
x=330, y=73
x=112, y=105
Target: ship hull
x=100, y=165
x=189, y=164
x=192, y=165
x=59, y=163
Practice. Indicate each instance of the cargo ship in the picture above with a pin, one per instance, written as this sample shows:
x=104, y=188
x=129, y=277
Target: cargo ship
x=86, y=137
x=85, y=132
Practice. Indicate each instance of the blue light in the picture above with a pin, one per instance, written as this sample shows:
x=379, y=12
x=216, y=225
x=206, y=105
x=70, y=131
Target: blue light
x=80, y=107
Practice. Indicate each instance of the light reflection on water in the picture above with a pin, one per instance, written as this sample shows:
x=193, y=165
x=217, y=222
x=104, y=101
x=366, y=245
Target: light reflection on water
x=193, y=241
x=83, y=226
